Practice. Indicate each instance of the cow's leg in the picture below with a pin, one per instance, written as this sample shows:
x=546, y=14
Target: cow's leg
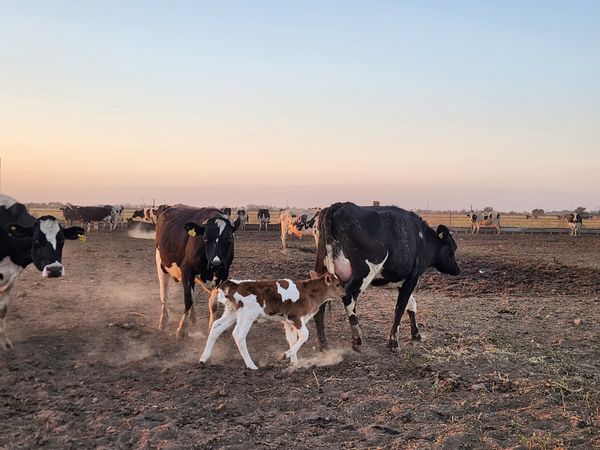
x=212, y=307
x=163, y=282
x=292, y=336
x=404, y=294
x=227, y=319
x=245, y=319
x=352, y=292
x=411, y=307
x=302, y=334
x=188, y=298
x=320, y=325
x=3, y=310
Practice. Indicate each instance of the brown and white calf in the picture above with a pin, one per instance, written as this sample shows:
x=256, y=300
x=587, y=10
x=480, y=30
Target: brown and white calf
x=292, y=302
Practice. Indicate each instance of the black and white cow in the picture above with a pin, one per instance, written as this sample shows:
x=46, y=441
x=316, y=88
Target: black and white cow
x=299, y=223
x=480, y=219
x=25, y=240
x=149, y=215
x=379, y=245
x=194, y=246
x=242, y=215
x=264, y=217
x=116, y=216
x=575, y=222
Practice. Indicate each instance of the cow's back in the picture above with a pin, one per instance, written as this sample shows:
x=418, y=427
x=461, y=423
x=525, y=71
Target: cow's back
x=171, y=237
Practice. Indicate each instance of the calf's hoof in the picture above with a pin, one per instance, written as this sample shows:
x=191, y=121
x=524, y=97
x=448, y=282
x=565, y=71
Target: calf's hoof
x=180, y=334
x=8, y=345
x=357, y=345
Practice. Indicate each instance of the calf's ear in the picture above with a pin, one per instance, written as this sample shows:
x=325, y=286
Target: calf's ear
x=313, y=275
x=193, y=229
x=328, y=279
x=73, y=233
x=16, y=230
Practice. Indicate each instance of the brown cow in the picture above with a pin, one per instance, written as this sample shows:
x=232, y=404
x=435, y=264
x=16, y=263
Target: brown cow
x=291, y=302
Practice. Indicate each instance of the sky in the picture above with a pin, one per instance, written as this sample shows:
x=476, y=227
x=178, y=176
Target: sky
x=422, y=104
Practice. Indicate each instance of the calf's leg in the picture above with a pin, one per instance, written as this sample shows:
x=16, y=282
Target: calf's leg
x=225, y=322
x=302, y=334
x=292, y=338
x=7, y=343
x=245, y=319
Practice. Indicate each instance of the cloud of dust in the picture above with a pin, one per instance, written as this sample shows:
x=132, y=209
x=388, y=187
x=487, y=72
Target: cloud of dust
x=137, y=233
x=329, y=357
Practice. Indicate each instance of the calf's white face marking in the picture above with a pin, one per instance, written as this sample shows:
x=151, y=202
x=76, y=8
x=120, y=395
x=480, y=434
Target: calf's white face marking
x=291, y=293
x=50, y=228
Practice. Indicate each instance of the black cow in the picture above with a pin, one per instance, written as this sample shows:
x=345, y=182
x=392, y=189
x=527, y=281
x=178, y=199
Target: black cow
x=226, y=212
x=264, y=217
x=70, y=214
x=379, y=245
x=94, y=214
x=195, y=246
x=25, y=240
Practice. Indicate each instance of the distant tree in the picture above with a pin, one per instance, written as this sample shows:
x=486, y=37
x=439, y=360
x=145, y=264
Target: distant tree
x=488, y=209
x=537, y=212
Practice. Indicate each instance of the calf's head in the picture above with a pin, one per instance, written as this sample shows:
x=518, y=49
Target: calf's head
x=446, y=258
x=332, y=288
x=218, y=235
x=47, y=241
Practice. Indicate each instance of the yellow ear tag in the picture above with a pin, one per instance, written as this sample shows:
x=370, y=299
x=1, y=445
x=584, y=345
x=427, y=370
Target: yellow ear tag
x=82, y=237
x=192, y=232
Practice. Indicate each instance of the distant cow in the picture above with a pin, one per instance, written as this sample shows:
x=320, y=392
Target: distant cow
x=149, y=215
x=484, y=219
x=264, y=217
x=116, y=216
x=292, y=302
x=575, y=222
x=299, y=223
x=379, y=245
x=242, y=215
x=25, y=240
x=91, y=215
x=70, y=214
x=195, y=246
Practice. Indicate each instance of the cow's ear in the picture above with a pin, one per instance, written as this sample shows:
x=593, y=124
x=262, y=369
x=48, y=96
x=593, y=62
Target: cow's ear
x=16, y=230
x=328, y=279
x=236, y=224
x=313, y=275
x=73, y=233
x=194, y=229
x=442, y=232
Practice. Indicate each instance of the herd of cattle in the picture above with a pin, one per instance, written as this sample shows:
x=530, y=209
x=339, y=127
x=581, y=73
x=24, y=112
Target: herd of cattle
x=357, y=247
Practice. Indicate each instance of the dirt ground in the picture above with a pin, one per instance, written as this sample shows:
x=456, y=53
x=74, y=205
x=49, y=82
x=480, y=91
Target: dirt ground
x=510, y=357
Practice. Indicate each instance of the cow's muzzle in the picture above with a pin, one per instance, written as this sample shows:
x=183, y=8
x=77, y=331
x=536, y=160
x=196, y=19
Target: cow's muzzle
x=54, y=270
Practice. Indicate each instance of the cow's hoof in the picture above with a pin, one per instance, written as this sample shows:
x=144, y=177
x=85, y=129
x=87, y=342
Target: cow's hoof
x=357, y=345
x=8, y=345
x=416, y=337
x=180, y=335
x=393, y=345
x=324, y=347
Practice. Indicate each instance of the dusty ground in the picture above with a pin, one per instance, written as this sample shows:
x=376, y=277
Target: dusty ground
x=510, y=357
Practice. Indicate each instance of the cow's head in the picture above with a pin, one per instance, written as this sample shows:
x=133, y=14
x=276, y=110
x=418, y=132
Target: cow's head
x=47, y=240
x=218, y=235
x=138, y=213
x=446, y=260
